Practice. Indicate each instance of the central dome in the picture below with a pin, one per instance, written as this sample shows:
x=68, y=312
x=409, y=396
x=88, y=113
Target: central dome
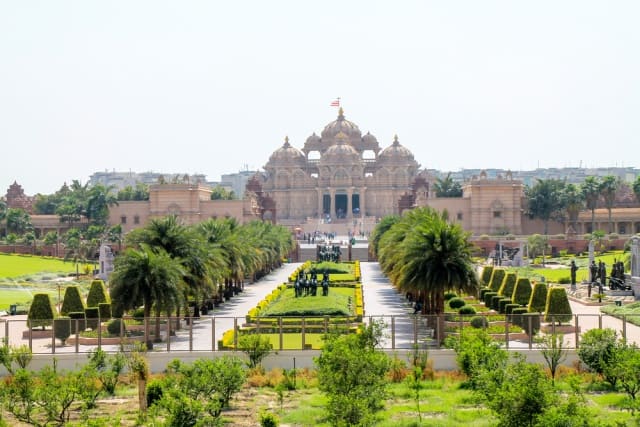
x=341, y=125
x=340, y=153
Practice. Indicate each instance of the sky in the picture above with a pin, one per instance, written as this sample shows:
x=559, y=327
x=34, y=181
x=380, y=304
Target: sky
x=214, y=87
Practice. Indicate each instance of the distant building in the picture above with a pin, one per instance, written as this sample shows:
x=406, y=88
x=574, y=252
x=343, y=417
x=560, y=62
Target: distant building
x=121, y=180
x=236, y=182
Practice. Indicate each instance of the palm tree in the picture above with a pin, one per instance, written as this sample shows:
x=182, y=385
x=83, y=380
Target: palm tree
x=99, y=199
x=544, y=200
x=447, y=187
x=636, y=189
x=573, y=202
x=608, y=188
x=3, y=211
x=381, y=228
x=429, y=255
x=590, y=189
x=146, y=277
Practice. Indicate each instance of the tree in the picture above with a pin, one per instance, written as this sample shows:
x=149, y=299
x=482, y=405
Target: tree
x=18, y=221
x=636, y=188
x=351, y=372
x=145, y=277
x=537, y=244
x=3, y=211
x=597, y=350
x=447, y=187
x=41, y=312
x=99, y=199
x=545, y=201
x=608, y=188
x=551, y=347
x=256, y=347
x=220, y=193
x=573, y=201
x=590, y=189
x=426, y=254
x=557, y=308
x=381, y=228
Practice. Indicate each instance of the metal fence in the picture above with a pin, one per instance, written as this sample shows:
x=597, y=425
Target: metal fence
x=399, y=332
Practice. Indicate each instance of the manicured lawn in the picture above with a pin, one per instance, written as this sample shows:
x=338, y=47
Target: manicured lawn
x=336, y=303
x=19, y=265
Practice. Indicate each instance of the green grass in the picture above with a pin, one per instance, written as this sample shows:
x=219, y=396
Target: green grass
x=631, y=311
x=12, y=266
x=336, y=304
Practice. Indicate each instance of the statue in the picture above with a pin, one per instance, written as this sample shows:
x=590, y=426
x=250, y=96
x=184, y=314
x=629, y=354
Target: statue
x=593, y=270
x=602, y=273
x=574, y=269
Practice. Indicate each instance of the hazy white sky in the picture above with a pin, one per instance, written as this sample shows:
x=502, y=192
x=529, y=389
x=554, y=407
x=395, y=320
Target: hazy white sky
x=211, y=86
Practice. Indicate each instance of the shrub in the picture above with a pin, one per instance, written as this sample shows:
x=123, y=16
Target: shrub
x=466, y=310
x=502, y=304
x=97, y=294
x=531, y=323
x=268, y=419
x=456, y=303
x=477, y=354
x=496, y=279
x=598, y=349
x=487, y=270
x=155, y=391
x=138, y=313
x=72, y=301
x=449, y=295
x=484, y=291
x=495, y=302
x=41, y=312
x=522, y=291
x=77, y=318
x=115, y=326
x=564, y=280
x=92, y=315
x=479, y=322
x=508, y=283
x=256, y=347
x=104, y=308
x=557, y=308
x=538, y=300
x=487, y=298
x=516, y=316
x=62, y=329
x=508, y=309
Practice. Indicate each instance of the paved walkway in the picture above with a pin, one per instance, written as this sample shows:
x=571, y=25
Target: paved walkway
x=381, y=301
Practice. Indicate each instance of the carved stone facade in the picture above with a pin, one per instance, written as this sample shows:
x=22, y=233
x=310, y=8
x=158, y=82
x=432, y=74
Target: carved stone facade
x=16, y=198
x=340, y=174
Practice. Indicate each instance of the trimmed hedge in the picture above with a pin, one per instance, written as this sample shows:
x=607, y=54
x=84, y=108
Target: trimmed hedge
x=502, y=304
x=77, y=318
x=467, y=310
x=531, y=323
x=486, y=275
x=115, y=326
x=496, y=279
x=479, y=322
x=557, y=308
x=508, y=309
x=522, y=291
x=495, y=302
x=72, y=301
x=92, y=315
x=97, y=294
x=456, y=302
x=62, y=328
x=449, y=295
x=516, y=315
x=538, y=300
x=104, y=308
x=484, y=291
x=41, y=312
x=487, y=298
x=508, y=283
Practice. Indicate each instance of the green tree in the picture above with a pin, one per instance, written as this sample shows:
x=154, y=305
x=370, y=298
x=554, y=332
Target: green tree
x=636, y=188
x=41, y=312
x=557, y=308
x=476, y=353
x=608, y=188
x=573, y=201
x=220, y=193
x=552, y=348
x=447, y=187
x=72, y=301
x=590, y=190
x=380, y=229
x=256, y=347
x=351, y=372
x=537, y=244
x=427, y=255
x=145, y=277
x=99, y=199
x=17, y=221
x=598, y=350
x=545, y=200
x=51, y=238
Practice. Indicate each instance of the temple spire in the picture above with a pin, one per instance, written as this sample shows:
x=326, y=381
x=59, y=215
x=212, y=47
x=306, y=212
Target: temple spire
x=340, y=113
x=286, y=141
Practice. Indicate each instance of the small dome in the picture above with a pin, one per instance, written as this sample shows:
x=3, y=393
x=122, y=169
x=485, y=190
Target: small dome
x=396, y=154
x=341, y=125
x=341, y=152
x=313, y=139
x=370, y=139
x=287, y=156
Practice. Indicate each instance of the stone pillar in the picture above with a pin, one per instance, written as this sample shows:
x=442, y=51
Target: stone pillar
x=332, y=202
x=320, y=197
x=635, y=256
x=349, y=203
x=591, y=249
x=363, y=206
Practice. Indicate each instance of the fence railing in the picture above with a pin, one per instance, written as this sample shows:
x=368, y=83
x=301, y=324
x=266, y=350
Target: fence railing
x=302, y=333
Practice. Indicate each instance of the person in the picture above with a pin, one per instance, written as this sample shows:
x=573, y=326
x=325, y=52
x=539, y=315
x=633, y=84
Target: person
x=574, y=269
x=417, y=308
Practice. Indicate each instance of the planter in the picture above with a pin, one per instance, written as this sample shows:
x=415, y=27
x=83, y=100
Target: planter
x=559, y=329
x=37, y=333
x=104, y=341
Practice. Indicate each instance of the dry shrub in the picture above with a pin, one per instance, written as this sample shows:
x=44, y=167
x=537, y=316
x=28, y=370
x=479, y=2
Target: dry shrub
x=275, y=377
x=257, y=377
x=429, y=373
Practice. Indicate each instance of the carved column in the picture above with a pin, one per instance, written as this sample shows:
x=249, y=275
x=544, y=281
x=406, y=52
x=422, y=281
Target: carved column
x=349, y=197
x=363, y=206
x=332, y=192
x=320, y=194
